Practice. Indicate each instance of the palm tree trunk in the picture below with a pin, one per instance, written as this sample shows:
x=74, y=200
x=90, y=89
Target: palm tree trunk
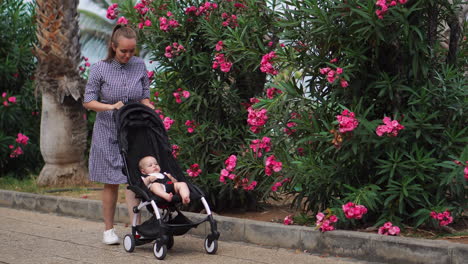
x=63, y=126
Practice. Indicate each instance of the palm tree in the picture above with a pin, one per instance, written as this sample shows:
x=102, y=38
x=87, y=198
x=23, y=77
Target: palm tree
x=63, y=126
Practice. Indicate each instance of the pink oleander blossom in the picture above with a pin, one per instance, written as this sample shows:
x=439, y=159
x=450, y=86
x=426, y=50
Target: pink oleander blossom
x=389, y=229
x=271, y=92
x=288, y=220
x=221, y=62
x=266, y=64
x=325, y=222
x=191, y=125
x=167, y=121
x=277, y=185
x=444, y=218
x=354, y=211
x=258, y=146
x=347, y=121
x=122, y=20
x=272, y=165
x=256, y=118
x=12, y=99
x=219, y=45
x=194, y=170
x=231, y=163
x=112, y=11
x=175, y=151
x=16, y=152
x=390, y=127
x=22, y=139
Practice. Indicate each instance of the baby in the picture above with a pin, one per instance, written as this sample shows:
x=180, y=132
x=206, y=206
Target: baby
x=163, y=185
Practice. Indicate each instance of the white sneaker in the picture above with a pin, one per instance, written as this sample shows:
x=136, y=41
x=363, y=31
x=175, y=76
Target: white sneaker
x=109, y=237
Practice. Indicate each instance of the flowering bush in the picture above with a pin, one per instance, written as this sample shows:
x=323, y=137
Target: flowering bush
x=255, y=72
x=19, y=109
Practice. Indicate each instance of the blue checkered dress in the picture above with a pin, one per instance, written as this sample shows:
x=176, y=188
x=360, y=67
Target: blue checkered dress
x=110, y=82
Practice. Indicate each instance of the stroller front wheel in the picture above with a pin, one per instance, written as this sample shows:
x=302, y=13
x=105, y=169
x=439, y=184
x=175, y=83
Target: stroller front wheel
x=161, y=253
x=212, y=247
x=129, y=243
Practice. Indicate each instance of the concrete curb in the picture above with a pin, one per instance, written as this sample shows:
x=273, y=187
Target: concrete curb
x=357, y=245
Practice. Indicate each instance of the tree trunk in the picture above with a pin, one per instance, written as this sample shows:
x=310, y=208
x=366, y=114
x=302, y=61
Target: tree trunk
x=63, y=126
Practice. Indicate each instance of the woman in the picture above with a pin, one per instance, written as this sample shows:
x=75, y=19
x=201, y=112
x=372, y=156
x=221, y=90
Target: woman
x=118, y=79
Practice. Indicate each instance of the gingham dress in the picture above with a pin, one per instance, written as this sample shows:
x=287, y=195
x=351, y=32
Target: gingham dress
x=110, y=82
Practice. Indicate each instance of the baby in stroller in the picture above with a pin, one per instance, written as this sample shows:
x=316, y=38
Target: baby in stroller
x=142, y=137
x=163, y=185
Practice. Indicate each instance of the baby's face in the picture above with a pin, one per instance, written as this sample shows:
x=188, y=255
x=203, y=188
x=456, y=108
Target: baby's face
x=150, y=165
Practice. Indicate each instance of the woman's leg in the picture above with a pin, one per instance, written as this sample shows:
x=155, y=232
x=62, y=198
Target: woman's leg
x=132, y=201
x=182, y=189
x=109, y=202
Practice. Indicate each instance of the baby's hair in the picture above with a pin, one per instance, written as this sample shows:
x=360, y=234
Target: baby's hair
x=140, y=163
x=120, y=30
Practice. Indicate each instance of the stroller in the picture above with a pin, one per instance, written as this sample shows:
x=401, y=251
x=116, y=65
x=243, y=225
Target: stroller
x=141, y=133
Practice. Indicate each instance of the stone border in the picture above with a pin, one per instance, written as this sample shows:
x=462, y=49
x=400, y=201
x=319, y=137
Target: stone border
x=357, y=245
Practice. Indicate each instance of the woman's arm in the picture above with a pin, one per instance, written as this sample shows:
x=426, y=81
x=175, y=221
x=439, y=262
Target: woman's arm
x=99, y=107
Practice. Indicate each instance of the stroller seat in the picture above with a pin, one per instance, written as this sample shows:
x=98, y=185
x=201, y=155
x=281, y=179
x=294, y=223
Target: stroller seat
x=141, y=133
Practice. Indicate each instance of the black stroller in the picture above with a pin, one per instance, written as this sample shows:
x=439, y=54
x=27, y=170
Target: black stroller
x=141, y=133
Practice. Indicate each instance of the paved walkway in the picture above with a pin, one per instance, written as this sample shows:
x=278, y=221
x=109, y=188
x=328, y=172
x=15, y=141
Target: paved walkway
x=32, y=237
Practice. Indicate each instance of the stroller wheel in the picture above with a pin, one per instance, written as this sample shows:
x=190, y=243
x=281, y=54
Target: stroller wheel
x=212, y=247
x=129, y=243
x=170, y=242
x=161, y=253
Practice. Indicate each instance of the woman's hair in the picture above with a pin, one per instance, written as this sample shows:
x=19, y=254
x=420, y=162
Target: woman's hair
x=119, y=30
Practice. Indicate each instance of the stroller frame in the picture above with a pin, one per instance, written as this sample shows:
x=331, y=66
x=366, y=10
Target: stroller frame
x=163, y=225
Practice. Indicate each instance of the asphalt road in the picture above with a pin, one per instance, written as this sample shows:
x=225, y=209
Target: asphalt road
x=31, y=237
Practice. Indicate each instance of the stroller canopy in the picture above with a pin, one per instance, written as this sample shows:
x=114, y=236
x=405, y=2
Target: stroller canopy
x=140, y=133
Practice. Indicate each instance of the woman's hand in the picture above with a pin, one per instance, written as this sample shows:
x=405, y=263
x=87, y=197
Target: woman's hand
x=146, y=102
x=117, y=105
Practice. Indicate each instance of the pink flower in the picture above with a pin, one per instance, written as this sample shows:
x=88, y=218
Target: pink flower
x=194, y=170
x=344, y=83
x=148, y=23
x=168, y=122
x=320, y=216
x=112, y=12
x=389, y=229
x=231, y=163
x=390, y=127
x=12, y=99
x=4, y=94
x=347, y=121
x=175, y=151
x=444, y=218
x=258, y=145
x=256, y=118
x=190, y=124
x=219, y=46
x=122, y=20
x=465, y=171
x=222, y=63
x=22, y=139
x=150, y=74
x=325, y=223
x=288, y=220
x=271, y=92
x=271, y=165
x=266, y=64
x=354, y=211
x=15, y=153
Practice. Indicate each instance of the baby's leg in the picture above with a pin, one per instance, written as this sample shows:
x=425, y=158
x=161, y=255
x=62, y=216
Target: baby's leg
x=158, y=189
x=182, y=189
